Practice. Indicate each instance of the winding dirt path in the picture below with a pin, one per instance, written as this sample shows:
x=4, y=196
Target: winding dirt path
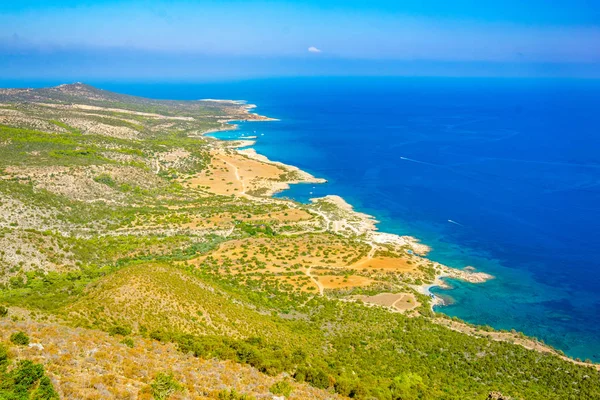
x=316, y=281
x=237, y=176
x=230, y=231
x=372, y=251
x=325, y=217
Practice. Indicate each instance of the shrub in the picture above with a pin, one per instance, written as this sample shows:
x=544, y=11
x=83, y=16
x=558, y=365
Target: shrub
x=3, y=311
x=315, y=377
x=106, y=180
x=128, y=342
x=407, y=386
x=233, y=395
x=45, y=390
x=282, y=388
x=19, y=338
x=26, y=381
x=27, y=373
x=3, y=355
x=119, y=330
x=164, y=385
x=161, y=336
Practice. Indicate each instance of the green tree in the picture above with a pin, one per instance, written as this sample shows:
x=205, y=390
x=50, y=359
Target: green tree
x=119, y=330
x=25, y=381
x=407, y=386
x=233, y=395
x=282, y=388
x=19, y=338
x=164, y=385
x=45, y=390
x=3, y=356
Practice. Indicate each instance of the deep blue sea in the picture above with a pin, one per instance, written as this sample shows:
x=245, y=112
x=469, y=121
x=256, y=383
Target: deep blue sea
x=515, y=163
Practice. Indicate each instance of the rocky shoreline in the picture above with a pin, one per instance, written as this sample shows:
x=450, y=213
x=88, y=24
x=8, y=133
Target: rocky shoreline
x=346, y=220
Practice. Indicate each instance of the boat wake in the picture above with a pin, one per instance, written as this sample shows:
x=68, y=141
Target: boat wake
x=455, y=223
x=417, y=161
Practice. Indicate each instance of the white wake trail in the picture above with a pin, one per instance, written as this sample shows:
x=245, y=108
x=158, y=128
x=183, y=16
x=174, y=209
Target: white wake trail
x=455, y=223
x=417, y=161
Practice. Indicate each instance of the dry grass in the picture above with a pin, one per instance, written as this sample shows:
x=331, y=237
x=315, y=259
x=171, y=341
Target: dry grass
x=396, y=301
x=86, y=364
x=231, y=173
x=337, y=262
x=386, y=263
x=275, y=218
x=77, y=183
x=341, y=282
x=283, y=252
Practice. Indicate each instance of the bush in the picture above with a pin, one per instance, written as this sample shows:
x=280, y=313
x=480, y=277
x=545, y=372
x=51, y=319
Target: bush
x=315, y=377
x=19, y=338
x=128, y=342
x=106, y=180
x=27, y=374
x=161, y=336
x=164, y=385
x=119, y=330
x=233, y=395
x=26, y=381
x=3, y=311
x=45, y=390
x=3, y=355
x=256, y=352
x=407, y=386
x=282, y=388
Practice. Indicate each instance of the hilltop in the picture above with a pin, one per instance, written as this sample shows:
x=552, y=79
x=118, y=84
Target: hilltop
x=138, y=253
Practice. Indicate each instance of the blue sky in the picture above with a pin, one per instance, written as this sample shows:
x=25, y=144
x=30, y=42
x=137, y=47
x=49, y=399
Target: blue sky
x=204, y=39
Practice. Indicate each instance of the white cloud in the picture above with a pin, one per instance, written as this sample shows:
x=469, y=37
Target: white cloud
x=313, y=49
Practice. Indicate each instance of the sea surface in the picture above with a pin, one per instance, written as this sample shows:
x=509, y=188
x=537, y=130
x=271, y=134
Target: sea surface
x=499, y=174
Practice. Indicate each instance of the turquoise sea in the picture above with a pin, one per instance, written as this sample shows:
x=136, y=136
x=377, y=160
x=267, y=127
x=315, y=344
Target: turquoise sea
x=499, y=174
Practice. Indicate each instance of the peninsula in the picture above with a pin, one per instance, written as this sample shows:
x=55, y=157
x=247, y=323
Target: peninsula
x=141, y=258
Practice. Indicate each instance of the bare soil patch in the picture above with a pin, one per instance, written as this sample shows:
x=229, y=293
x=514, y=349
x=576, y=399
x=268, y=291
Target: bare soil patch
x=397, y=301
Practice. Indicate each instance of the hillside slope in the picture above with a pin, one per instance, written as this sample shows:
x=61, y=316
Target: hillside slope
x=89, y=364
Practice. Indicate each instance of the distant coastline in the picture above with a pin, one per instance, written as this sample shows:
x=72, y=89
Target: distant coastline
x=468, y=274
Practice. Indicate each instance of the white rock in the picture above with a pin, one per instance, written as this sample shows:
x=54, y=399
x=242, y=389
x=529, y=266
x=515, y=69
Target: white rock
x=37, y=346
